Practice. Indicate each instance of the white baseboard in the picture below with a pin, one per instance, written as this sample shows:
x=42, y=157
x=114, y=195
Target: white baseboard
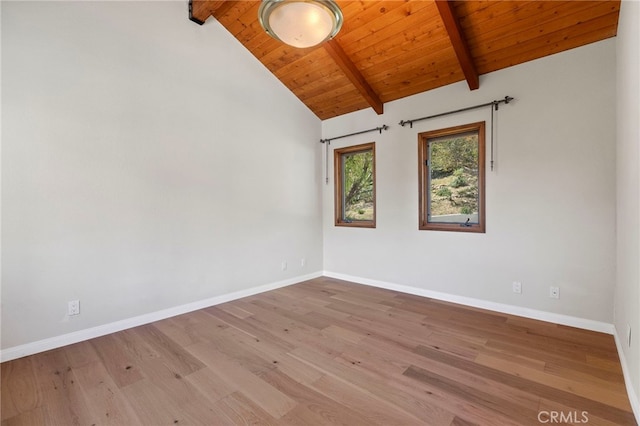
x=631, y=392
x=90, y=333
x=584, y=323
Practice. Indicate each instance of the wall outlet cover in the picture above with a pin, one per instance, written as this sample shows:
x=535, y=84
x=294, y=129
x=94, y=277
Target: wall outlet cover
x=517, y=287
x=73, y=307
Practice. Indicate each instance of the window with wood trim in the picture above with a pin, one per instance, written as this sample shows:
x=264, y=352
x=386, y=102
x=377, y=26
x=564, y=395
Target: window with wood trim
x=355, y=185
x=452, y=170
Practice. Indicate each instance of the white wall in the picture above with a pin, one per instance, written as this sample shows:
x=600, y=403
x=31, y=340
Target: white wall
x=550, y=201
x=627, y=295
x=147, y=163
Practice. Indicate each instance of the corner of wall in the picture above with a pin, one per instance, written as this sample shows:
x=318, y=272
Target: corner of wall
x=627, y=290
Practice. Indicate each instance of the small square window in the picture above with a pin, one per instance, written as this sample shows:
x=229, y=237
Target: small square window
x=355, y=186
x=452, y=169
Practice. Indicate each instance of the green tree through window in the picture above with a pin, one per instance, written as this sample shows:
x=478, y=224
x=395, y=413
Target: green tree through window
x=452, y=179
x=355, y=185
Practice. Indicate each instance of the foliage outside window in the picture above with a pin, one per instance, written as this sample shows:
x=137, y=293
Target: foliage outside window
x=355, y=192
x=452, y=169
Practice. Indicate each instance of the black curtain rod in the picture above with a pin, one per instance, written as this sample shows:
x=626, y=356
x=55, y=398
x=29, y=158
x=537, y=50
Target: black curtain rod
x=379, y=129
x=495, y=104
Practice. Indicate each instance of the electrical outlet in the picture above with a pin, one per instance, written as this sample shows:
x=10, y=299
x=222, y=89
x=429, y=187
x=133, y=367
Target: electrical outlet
x=73, y=307
x=303, y=262
x=628, y=335
x=517, y=287
x=283, y=266
x=554, y=292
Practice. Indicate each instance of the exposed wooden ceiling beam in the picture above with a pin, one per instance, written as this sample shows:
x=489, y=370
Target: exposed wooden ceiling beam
x=346, y=65
x=195, y=14
x=200, y=10
x=460, y=46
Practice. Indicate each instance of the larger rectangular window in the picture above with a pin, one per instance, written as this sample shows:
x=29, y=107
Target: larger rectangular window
x=451, y=182
x=355, y=186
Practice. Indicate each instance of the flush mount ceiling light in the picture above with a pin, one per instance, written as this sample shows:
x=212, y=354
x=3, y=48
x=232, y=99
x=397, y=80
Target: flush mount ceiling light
x=300, y=23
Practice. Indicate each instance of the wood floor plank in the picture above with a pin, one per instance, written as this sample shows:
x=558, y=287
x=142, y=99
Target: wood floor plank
x=235, y=346
x=106, y=403
x=183, y=328
x=379, y=379
x=172, y=353
x=572, y=416
x=343, y=333
x=457, y=421
x=117, y=359
x=324, y=352
x=236, y=311
x=173, y=384
x=253, y=328
x=431, y=404
x=291, y=315
x=563, y=396
x=26, y=418
x=542, y=352
x=261, y=393
x=609, y=393
x=241, y=410
x=377, y=409
x=154, y=407
x=401, y=330
x=81, y=354
x=473, y=396
x=20, y=391
x=373, y=373
x=313, y=406
x=367, y=359
x=611, y=381
x=62, y=397
x=365, y=302
x=276, y=357
x=610, y=364
x=453, y=344
x=210, y=384
x=563, y=366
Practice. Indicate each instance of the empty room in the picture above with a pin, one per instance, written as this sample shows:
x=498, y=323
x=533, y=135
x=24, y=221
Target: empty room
x=318, y=212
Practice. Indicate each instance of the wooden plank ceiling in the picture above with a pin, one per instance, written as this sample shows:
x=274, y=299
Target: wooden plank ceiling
x=387, y=50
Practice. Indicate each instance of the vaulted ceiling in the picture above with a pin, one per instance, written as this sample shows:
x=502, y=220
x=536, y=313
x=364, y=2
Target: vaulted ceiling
x=387, y=50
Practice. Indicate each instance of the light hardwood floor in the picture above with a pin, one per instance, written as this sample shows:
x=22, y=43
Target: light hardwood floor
x=325, y=352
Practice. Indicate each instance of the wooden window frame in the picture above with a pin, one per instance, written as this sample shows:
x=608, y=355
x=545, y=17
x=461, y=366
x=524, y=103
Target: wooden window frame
x=339, y=184
x=423, y=184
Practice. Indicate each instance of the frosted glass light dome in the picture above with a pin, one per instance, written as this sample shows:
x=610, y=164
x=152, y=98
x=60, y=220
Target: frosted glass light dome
x=300, y=23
